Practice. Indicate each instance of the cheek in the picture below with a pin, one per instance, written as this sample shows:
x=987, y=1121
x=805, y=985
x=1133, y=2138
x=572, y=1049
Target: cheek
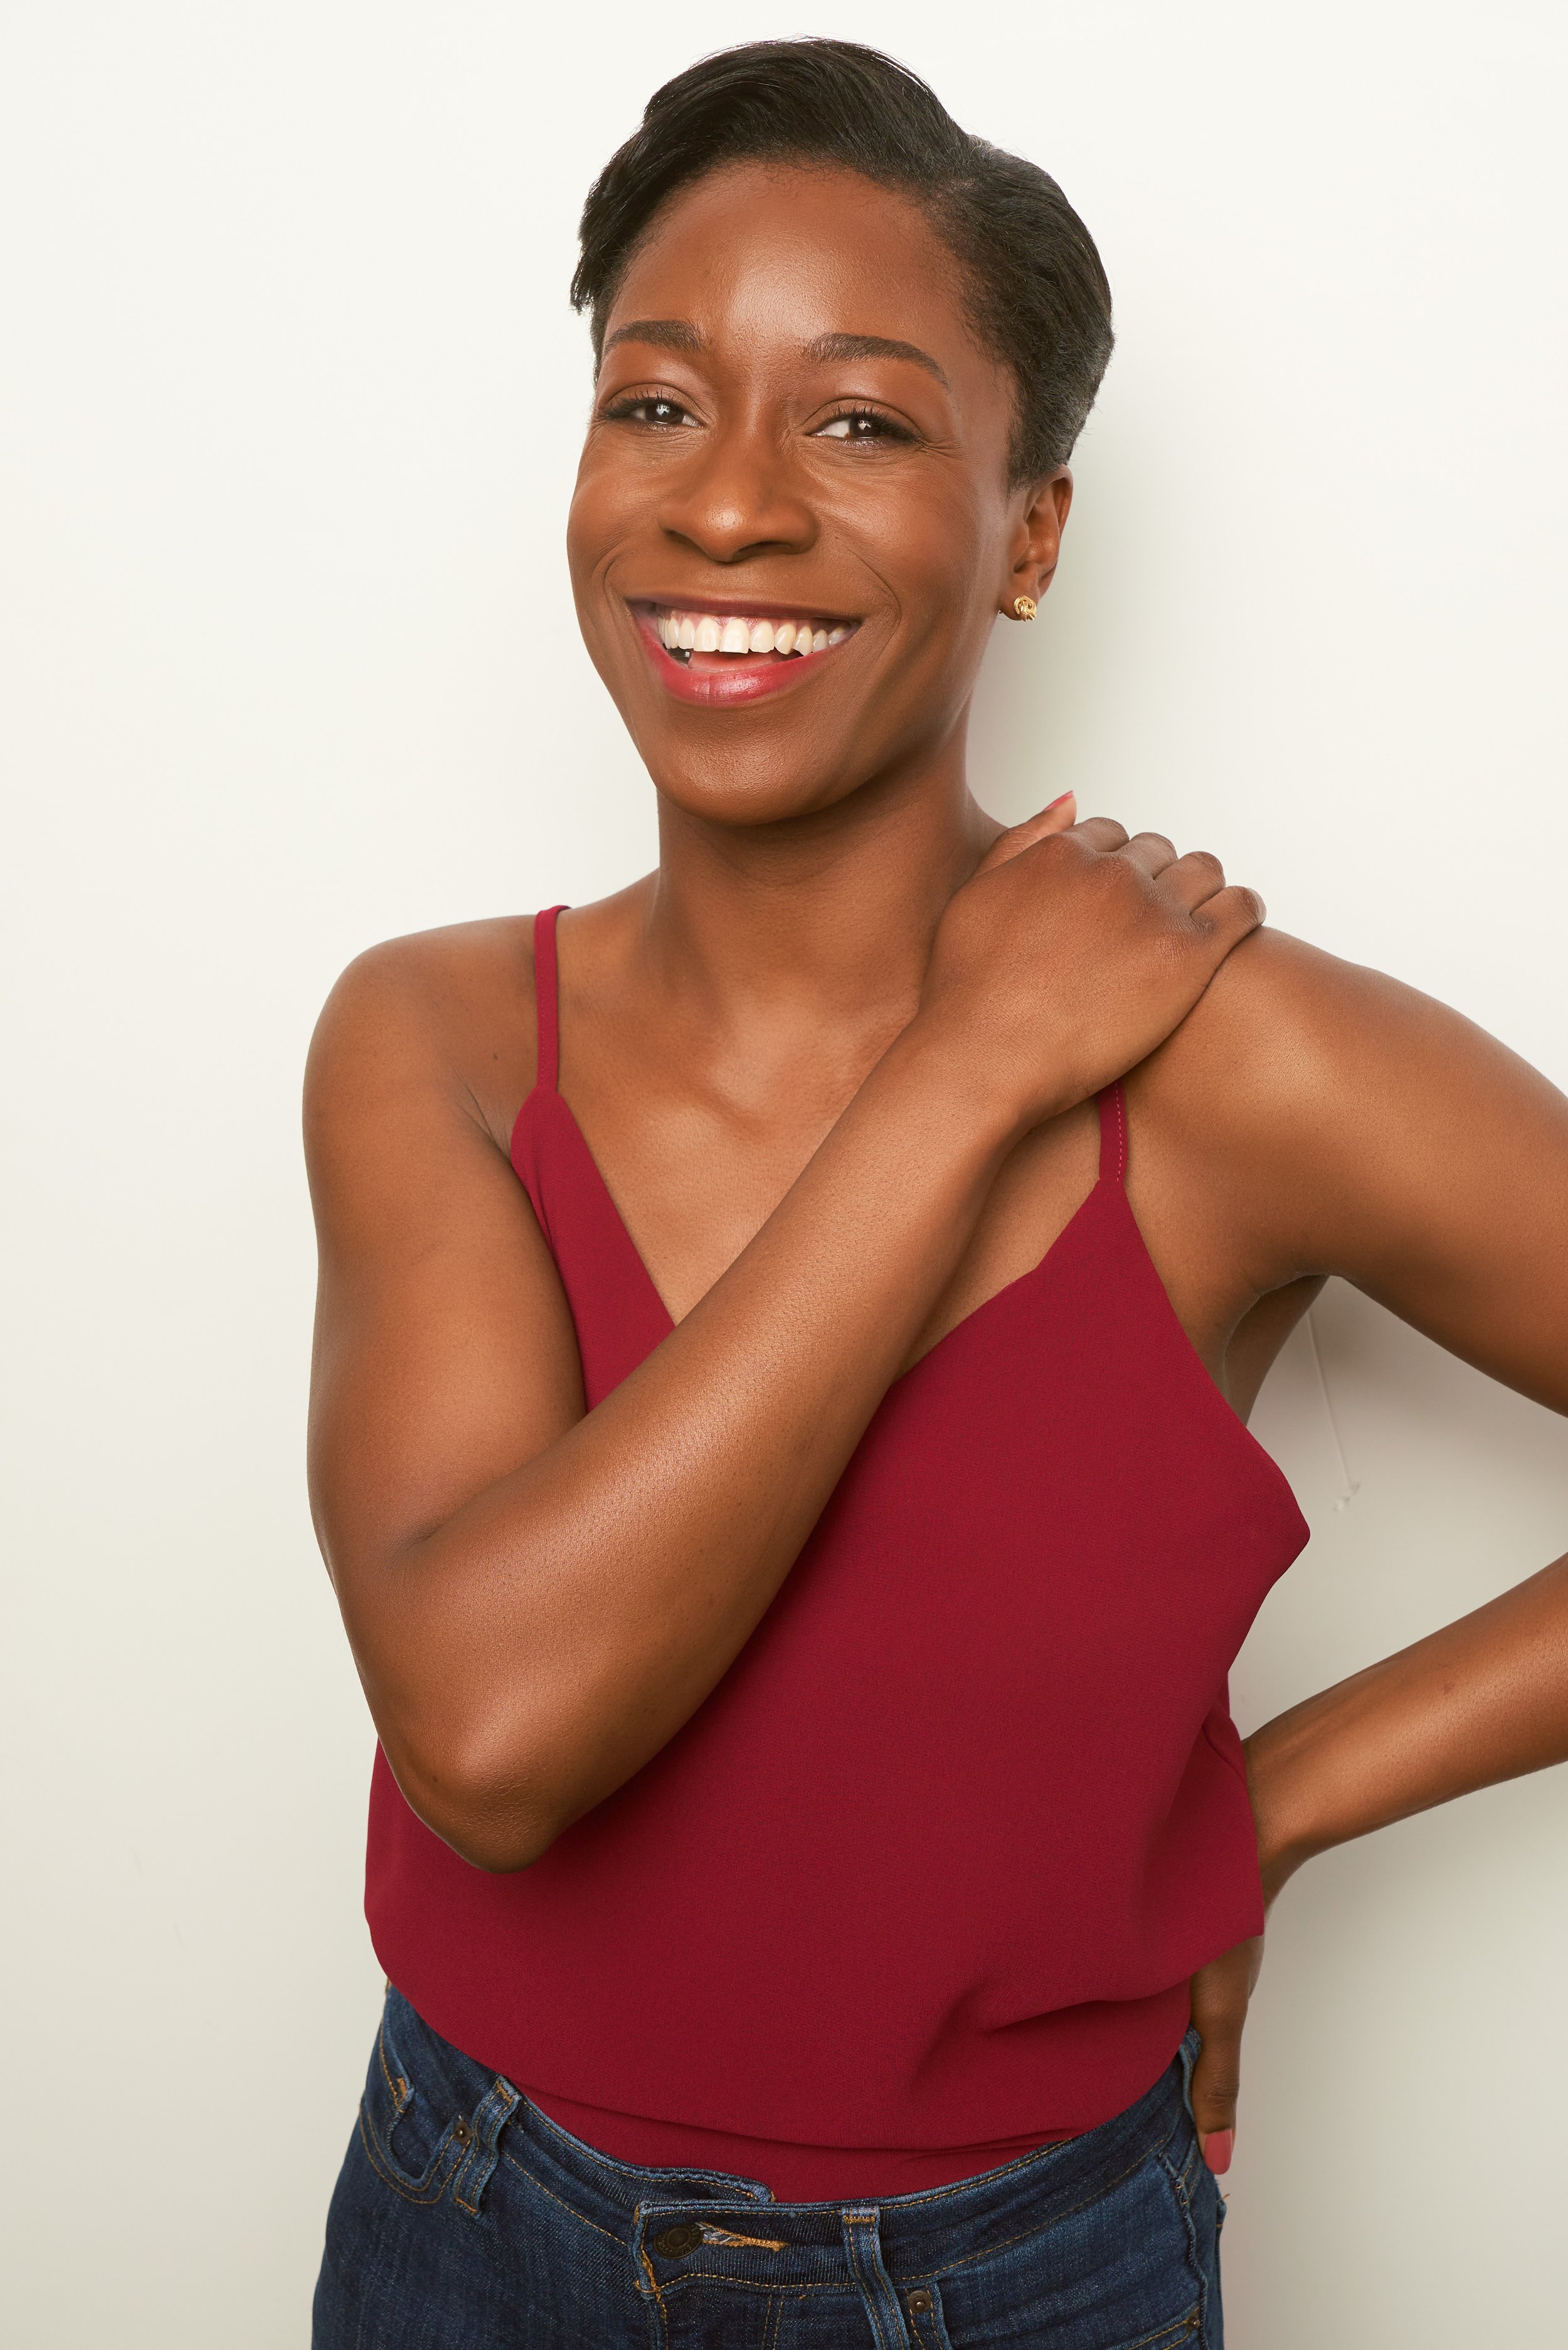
x=585, y=523
x=935, y=553
x=609, y=504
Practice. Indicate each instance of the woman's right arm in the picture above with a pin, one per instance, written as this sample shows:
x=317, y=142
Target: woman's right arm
x=538, y=1597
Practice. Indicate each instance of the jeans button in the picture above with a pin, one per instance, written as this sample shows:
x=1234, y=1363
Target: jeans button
x=671, y=2243
x=461, y=2132
x=921, y=2304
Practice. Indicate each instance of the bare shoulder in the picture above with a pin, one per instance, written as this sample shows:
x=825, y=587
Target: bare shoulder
x=1314, y=1117
x=1290, y=1044
x=448, y=1012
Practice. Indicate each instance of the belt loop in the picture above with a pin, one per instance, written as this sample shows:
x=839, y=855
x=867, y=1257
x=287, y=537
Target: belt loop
x=494, y=2110
x=863, y=2250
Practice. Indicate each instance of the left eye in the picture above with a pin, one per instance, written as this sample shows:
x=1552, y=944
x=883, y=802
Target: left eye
x=860, y=424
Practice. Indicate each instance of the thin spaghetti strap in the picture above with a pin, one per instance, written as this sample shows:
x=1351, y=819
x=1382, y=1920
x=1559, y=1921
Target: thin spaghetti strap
x=1113, y=1134
x=545, y=997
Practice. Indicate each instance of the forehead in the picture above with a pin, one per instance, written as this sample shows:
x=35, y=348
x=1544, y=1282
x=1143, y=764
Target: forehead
x=767, y=259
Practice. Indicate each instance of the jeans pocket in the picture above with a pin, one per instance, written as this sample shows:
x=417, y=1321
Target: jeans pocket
x=411, y=2127
x=1182, y=2333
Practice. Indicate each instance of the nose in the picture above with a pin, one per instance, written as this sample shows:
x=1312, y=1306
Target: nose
x=737, y=496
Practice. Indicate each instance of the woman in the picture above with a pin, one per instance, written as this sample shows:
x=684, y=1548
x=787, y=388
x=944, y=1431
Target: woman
x=785, y=1339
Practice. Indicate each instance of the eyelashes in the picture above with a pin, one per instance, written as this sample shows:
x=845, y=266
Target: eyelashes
x=856, y=425
x=635, y=408
x=879, y=427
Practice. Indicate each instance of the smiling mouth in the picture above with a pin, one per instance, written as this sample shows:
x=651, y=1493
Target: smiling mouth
x=743, y=636
x=721, y=659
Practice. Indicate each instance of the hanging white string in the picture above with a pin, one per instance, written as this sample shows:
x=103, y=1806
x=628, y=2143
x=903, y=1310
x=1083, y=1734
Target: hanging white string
x=1348, y=1485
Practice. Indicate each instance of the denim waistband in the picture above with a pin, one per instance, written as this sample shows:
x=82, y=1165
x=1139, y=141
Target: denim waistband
x=665, y=2216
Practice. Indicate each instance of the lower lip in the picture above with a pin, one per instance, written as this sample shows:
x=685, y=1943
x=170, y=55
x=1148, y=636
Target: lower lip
x=743, y=678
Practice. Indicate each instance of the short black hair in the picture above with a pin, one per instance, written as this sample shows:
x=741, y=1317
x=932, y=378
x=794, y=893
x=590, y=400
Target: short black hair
x=1038, y=295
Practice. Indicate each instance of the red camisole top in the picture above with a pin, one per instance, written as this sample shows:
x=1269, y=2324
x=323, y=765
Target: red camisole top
x=921, y=1882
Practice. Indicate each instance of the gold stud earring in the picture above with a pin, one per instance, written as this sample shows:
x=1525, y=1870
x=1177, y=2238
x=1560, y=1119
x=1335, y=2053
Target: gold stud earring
x=1024, y=606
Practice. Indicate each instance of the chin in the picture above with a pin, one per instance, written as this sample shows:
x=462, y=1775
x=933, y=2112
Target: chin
x=748, y=792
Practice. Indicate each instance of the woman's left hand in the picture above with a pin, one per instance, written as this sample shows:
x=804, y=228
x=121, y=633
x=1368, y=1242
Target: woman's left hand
x=1222, y=1990
x=1220, y=1995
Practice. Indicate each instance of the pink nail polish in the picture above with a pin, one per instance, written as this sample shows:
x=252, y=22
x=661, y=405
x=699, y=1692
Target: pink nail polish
x=1057, y=801
x=1218, y=2148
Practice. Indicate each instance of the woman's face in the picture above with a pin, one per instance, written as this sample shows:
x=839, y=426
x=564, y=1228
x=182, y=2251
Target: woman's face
x=794, y=429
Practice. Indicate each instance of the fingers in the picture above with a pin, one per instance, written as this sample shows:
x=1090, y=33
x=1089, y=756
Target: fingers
x=1151, y=853
x=1195, y=882
x=1102, y=832
x=1193, y=879
x=1232, y=914
x=1220, y=1992
x=1058, y=818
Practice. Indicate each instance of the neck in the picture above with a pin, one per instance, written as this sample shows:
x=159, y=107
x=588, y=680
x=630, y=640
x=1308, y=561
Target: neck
x=830, y=915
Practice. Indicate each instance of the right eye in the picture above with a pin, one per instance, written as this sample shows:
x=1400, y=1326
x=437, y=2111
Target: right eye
x=655, y=408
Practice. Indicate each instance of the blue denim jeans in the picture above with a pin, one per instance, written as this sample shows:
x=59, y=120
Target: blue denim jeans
x=464, y=2219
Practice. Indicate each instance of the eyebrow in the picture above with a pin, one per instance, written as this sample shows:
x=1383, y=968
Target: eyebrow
x=669, y=334
x=681, y=335
x=828, y=347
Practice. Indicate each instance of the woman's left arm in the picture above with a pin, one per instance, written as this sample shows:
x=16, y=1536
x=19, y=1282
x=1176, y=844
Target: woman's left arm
x=1352, y=1126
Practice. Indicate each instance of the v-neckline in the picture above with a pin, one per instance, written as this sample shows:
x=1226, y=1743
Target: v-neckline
x=1020, y=1281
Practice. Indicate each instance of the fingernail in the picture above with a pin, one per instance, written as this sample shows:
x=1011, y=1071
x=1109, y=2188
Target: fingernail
x=1055, y=803
x=1218, y=2148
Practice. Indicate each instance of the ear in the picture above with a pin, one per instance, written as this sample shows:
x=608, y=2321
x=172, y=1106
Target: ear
x=1036, y=542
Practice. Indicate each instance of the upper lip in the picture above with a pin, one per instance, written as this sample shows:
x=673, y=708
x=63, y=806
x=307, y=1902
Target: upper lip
x=755, y=608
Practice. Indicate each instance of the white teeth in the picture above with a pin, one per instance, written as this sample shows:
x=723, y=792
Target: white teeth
x=703, y=632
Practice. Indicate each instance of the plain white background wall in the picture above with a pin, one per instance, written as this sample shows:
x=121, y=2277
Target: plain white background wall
x=289, y=393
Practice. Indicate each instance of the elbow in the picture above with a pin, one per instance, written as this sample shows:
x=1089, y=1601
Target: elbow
x=498, y=1820
x=498, y=1848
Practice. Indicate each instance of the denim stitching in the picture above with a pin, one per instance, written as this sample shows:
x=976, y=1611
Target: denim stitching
x=637, y=2173
x=485, y=2146
x=399, y=2087
x=897, y=2203
x=852, y=2220
x=1178, y=2188
x=949, y=2268
x=758, y=2284
x=539, y=2183
x=1164, y=2335
x=647, y=2272
x=378, y=2162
